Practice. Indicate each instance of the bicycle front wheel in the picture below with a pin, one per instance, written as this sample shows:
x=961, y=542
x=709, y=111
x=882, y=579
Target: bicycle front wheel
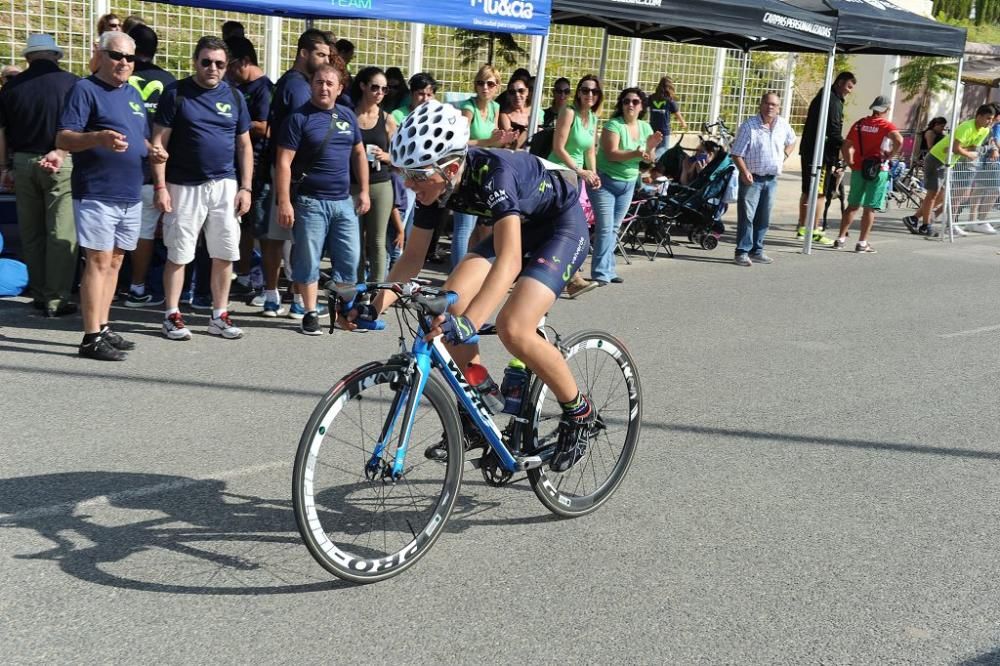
x=359, y=522
x=605, y=373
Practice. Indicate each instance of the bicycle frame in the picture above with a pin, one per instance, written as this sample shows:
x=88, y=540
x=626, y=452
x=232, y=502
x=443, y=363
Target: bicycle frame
x=424, y=356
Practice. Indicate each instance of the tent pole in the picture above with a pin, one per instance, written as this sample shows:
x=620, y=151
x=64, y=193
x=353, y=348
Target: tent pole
x=603, y=68
x=956, y=105
x=718, y=81
x=743, y=86
x=416, y=48
x=310, y=22
x=634, y=58
x=536, y=95
x=817, y=156
x=786, y=99
x=272, y=47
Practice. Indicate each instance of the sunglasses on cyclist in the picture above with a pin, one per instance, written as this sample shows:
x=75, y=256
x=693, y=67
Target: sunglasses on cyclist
x=118, y=56
x=486, y=84
x=422, y=174
x=207, y=63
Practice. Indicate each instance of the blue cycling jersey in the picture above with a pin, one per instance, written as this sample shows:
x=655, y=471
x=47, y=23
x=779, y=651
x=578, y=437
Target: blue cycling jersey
x=499, y=182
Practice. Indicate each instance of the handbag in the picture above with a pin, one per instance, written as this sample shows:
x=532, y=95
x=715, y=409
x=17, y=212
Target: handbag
x=871, y=167
x=298, y=179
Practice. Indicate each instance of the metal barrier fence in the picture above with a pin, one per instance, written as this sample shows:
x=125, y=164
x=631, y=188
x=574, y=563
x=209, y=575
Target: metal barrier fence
x=573, y=51
x=975, y=194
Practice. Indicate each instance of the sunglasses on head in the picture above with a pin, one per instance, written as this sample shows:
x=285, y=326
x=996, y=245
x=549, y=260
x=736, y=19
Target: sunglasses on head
x=374, y=87
x=118, y=56
x=632, y=101
x=486, y=84
x=208, y=62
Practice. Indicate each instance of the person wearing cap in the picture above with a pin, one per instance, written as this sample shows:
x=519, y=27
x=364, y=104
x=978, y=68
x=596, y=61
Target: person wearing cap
x=871, y=138
x=968, y=136
x=104, y=124
x=29, y=114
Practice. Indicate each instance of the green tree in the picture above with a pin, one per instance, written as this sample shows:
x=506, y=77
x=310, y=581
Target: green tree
x=922, y=79
x=501, y=45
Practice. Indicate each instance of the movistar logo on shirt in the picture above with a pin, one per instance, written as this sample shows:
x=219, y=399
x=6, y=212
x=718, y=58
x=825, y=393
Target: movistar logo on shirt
x=148, y=90
x=137, y=109
x=343, y=126
x=507, y=8
x=224, y=109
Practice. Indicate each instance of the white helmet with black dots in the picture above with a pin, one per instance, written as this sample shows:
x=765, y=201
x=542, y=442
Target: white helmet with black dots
x=429, y=134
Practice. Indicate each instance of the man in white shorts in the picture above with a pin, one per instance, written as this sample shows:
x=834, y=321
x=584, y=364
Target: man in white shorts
x=103, y=123
x=204, y=124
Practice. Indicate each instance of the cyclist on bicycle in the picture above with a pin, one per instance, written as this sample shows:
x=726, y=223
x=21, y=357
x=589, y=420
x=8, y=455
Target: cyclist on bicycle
x=539, y=241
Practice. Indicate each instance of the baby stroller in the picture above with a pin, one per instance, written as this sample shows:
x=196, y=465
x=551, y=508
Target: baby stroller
x=696, y=207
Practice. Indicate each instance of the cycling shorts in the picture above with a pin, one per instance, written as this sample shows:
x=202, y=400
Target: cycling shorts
x=553, y=252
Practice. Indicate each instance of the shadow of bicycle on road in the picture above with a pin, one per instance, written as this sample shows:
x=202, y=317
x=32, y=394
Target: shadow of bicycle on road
x=179, y=535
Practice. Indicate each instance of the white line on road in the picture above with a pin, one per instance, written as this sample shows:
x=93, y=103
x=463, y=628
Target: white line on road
x=107, y=500
x=971, y=331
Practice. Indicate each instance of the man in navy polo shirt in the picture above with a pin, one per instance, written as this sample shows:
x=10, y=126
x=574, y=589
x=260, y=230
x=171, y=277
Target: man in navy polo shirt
x=250, y=80
x=104, y=123
x=204, y=125
x=290, y=93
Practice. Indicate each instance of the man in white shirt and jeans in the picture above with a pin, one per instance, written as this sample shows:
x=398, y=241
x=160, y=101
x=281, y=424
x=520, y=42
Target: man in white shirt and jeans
x=762, y=145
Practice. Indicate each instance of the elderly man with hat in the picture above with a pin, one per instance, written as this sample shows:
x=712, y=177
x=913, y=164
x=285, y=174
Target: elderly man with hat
x=30, y=106
x=869, y=145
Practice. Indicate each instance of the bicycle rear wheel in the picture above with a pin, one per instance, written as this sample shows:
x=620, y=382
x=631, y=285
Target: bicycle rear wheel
x=357, y=522
x=606, y=373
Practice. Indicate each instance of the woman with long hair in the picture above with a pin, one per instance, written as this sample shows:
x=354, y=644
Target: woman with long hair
x=518, y=113
x=483, y=114
x=573, y=146
x=662, y=108
x=107, y=23
x=377, y=127
x=627, y=139
x=933, y=133
x=560, y=98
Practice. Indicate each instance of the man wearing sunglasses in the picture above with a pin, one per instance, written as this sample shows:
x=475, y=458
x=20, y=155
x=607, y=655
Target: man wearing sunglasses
x=539, y=240
x=104, y=124
x=204, y=125
x=29, y=114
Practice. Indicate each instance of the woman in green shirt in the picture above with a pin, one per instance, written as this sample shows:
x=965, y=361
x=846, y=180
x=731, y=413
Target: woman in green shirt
x=627, y=139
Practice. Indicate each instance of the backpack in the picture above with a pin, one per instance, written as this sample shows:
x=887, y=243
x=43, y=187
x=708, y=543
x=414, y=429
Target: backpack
x=541, y=142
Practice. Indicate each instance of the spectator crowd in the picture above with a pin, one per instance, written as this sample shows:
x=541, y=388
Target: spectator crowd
x=224, y=185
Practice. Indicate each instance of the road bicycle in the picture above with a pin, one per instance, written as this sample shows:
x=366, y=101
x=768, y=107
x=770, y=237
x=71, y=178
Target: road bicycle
x=369, y=503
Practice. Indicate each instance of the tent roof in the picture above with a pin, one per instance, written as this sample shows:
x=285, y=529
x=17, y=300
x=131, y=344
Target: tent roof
x=523, y=17
x=756, y=25
x=882, y=27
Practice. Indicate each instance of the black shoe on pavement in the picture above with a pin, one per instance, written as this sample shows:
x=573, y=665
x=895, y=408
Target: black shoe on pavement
x=61, y=310
x=101, y=350
x=912, y=223
x=310, y=323
x=116, y=341
x=471, y=439
x=574, y=435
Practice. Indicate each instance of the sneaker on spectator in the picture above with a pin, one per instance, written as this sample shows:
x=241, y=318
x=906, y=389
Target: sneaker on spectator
x=984, y=228
x=273, y=309
x=223, y=326
x=865, y=248
x=927, y=230
x=742, y=260
x=116, y=341
x=578, y=286
x=135, y=300
x=959, y=231
x=310, y=323
x=258, y=300
x=912, y=223
x=839, y=243
x=819, y=237
x=174, y=328
x=186, y=297
x=761, y=258
x=201, y=302
x=239, y=290
x=298, y=311
x=800, y=232
x=102, y=350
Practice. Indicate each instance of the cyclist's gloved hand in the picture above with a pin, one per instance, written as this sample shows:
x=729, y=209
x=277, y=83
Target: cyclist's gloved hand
x=459, y=330
x=365, y=316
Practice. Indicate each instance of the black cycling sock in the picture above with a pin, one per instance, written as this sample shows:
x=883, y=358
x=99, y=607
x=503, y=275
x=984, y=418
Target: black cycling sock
x=90, y=338
x=577, y=407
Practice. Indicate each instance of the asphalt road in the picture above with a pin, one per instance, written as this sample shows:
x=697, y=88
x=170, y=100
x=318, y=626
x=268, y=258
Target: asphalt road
x=816, y=483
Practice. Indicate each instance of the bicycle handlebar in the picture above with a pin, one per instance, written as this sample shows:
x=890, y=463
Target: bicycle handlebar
x=415, y=294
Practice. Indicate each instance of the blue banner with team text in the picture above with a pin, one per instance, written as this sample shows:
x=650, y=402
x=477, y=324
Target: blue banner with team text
x=530, y=17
